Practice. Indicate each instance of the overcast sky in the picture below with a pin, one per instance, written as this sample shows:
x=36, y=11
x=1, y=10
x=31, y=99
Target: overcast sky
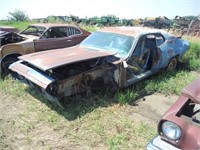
x=121, y=8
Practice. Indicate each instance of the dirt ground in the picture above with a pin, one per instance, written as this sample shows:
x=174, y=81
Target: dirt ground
x=16, y=117
x=152, y=107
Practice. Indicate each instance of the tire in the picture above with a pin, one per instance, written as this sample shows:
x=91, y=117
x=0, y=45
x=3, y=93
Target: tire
x=172, y=65
x=6, y=63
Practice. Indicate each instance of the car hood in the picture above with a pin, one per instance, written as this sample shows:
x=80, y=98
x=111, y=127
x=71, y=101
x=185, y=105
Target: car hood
x=54, y=58
x=193, y=91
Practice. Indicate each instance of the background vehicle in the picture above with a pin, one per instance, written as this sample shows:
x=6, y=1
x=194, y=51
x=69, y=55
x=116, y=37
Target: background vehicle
x=179, y=127
x=40, y=37
x=157, y=22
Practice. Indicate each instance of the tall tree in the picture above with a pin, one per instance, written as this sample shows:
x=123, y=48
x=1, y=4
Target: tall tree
x=18, y=15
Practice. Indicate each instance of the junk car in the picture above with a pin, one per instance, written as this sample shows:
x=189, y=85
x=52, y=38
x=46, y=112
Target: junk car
x=179, y=128
x=111, y=58
x=38, y=37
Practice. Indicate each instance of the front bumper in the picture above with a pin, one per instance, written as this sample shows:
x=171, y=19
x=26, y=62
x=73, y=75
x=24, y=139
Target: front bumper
x=158, y=144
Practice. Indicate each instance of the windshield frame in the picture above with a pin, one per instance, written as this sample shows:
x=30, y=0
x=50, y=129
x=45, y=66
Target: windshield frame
x=38, y=30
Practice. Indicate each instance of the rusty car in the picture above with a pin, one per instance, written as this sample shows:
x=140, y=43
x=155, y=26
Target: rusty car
x=110, y=58
x=38, y=37
x=179, y=128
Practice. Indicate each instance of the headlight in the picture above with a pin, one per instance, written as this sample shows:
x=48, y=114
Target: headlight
x=52, y=88
x=171, y=130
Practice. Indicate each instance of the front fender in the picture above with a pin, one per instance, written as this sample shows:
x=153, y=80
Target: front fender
x=10, y=49
x=24, y=47
x=7, y=50
x=21, y=48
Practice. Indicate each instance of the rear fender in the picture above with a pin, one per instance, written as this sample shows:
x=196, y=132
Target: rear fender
x=172, y=47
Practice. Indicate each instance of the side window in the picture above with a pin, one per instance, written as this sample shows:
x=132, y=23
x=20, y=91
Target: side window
x=46, y=34
x=58, y=32
x=72, y=31
x=159, y=40
x=55, y=32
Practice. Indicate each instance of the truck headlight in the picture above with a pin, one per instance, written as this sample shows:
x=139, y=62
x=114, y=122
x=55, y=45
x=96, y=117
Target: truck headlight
x=171, y=130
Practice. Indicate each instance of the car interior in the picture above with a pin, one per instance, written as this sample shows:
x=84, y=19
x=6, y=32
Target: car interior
x=144, y=55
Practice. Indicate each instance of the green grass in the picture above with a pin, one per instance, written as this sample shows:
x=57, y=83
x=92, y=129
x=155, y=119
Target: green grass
x=104, y=127
x=163, y=82
x=89, y=28
x=192, y=58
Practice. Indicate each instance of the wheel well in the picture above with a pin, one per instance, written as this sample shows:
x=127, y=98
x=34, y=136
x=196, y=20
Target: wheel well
x=174, y=64
x=176, y=57
x=10, y=56
x=3, y=64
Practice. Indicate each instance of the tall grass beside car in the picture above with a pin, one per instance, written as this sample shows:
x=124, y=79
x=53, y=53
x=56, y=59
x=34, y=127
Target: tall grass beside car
x=191, y=59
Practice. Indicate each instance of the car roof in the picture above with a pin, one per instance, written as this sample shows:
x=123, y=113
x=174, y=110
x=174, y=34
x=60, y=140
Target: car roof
x=49, y=25
x=132, y=31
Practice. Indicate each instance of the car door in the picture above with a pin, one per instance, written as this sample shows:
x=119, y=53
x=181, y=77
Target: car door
x=144, y=60
x=58, y=37
x=76, y=35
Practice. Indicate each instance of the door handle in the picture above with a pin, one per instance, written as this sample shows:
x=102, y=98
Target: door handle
x=69, y=40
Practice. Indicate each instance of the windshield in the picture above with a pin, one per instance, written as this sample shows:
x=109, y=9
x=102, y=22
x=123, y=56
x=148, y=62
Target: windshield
x=105, y=41
x=33, y=30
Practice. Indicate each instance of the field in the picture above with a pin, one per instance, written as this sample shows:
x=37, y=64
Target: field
x=124, y=120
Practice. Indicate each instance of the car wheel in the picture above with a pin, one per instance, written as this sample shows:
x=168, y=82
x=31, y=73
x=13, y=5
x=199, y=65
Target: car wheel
x=85, y=82
x=6, y=63
x=172, y=64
